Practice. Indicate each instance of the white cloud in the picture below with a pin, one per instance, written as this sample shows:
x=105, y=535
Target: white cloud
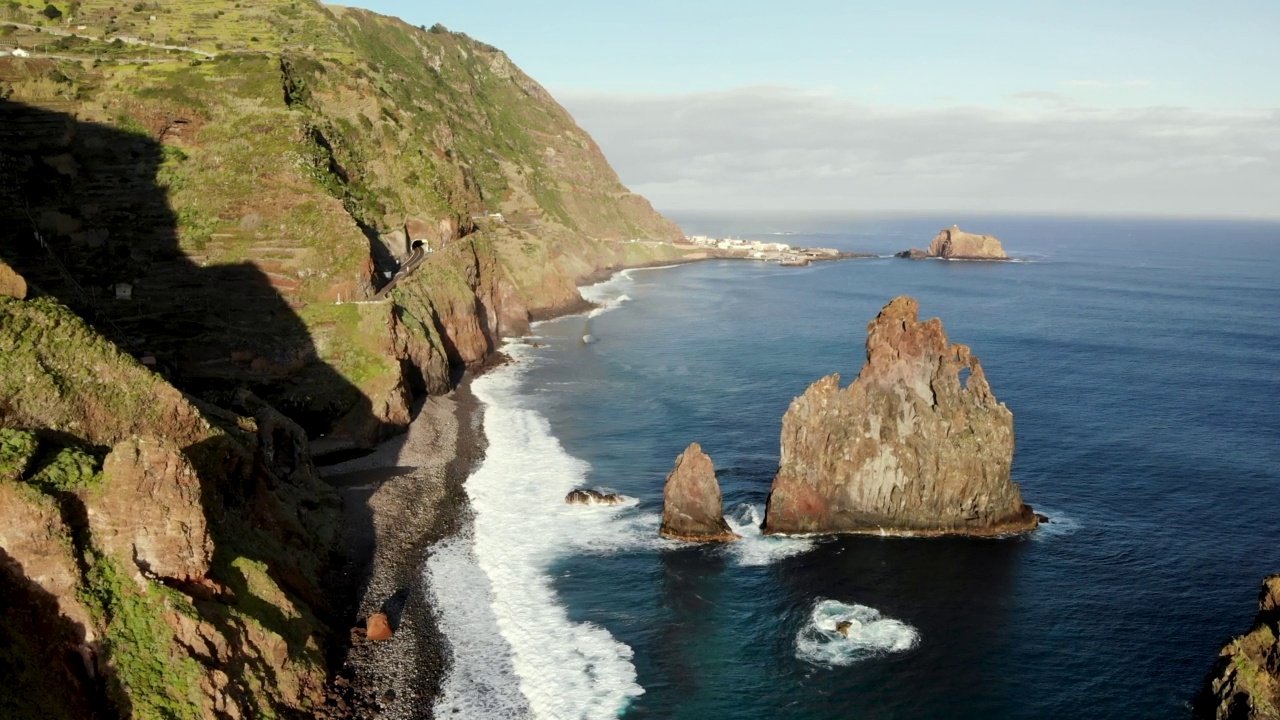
x=780, y=147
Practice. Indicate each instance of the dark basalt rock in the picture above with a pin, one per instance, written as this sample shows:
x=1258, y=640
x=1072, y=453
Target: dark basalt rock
x=907, y=448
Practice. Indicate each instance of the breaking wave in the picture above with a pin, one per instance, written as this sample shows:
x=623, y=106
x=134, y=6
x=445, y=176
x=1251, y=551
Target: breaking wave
x=869, y=635
x=755, y=548
x=564, y=670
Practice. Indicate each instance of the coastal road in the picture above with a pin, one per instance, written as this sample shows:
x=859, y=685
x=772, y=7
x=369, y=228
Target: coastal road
x=411, y=263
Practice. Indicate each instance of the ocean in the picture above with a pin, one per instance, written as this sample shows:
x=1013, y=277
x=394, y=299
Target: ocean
x=1139, y=358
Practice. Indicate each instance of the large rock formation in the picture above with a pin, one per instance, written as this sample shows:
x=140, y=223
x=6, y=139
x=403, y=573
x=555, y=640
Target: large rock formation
x=909, y=447
x=151, y=517
x=692, y=508
x=1245, y=682
x=956, y=244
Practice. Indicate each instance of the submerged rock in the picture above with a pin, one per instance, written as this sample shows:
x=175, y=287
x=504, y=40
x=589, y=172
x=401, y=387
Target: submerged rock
x=592, y=497
x=909, y=447
x=1245, y=682
x=956, y=244
x=692, y=507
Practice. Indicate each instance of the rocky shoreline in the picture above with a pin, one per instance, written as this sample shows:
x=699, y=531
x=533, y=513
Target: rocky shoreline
x=399, y=501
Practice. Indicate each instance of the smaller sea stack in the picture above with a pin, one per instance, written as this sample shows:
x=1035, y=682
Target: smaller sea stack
x=692, y=507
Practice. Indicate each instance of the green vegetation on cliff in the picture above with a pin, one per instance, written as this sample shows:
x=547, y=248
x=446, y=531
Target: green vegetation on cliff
x=202, y=200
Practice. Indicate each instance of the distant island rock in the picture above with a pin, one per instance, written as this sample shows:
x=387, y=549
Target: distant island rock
x=692, y=507
x=956, y=244
x=910, y=447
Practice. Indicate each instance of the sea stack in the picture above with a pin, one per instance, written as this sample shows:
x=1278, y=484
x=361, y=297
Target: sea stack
x=909, y=447
x=692, y=508
x=956, y=244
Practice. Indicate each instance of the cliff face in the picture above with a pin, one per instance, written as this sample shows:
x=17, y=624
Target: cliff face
x=167, y=557
x=1245, y=681
x=908, y=446
x=192, y=195
x=954, y=243
x=211, y=208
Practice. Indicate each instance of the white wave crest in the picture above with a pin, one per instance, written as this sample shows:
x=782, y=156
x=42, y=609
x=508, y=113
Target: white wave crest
x=481, y=682
x=755, y=548
x=1059, y=525
x=565, y=670
x=869, y=634
x=610, y=304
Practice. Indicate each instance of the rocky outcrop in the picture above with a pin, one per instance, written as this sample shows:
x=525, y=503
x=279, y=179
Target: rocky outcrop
x=1245, y=681
x=910, y=446
x=912, y=254
x=692, y=508
x=11, y=283
x=149, y=515
x=955, y=244
x=592, y=497
x=181, y=571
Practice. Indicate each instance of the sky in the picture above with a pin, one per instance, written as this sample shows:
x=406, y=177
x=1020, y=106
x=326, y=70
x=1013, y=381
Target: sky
x=1122, y=107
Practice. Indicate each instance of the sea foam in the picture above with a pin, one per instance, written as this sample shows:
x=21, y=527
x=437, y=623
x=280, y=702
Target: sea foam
x=870, y=634
x=564, y=670
x=481, y=682
x=756, y=548
x=608, y=294
x=1059, y=525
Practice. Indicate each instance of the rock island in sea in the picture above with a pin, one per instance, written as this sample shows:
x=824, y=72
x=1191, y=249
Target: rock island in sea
x=955, y=244
x=911, y=446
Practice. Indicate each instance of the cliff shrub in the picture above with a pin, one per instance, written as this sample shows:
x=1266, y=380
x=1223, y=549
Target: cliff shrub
x=17, y=448
x=148, y=676
x=70, y=468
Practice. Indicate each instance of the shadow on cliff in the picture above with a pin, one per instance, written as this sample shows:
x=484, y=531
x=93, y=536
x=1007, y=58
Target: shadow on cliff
x=84, y=219
x=43, y=676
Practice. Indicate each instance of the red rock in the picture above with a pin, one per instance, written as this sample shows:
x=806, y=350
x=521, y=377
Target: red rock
x=692, y=507
x=150, y=514
x=377, y=627
x=906, y=448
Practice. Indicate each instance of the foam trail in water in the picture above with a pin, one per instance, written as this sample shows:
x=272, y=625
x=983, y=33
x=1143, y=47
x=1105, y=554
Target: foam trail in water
x=566, y=670
x=756, y=548
x=869, y=634
x=481, y=682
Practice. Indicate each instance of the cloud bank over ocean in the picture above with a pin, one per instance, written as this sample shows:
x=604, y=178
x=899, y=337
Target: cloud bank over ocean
x=779, y=146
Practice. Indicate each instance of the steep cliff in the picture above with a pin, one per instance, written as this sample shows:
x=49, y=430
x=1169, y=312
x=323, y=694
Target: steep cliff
x=909, y=446
x=201, y=201
x=956, y=244
x=172, y=553
x=1245, y=681
x=209, y=204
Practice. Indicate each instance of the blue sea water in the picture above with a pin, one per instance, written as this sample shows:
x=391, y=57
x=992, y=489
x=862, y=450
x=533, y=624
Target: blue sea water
x=1139, y=358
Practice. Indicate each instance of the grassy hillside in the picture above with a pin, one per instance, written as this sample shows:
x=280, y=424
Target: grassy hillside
x=199, y=202
x=236, y=163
